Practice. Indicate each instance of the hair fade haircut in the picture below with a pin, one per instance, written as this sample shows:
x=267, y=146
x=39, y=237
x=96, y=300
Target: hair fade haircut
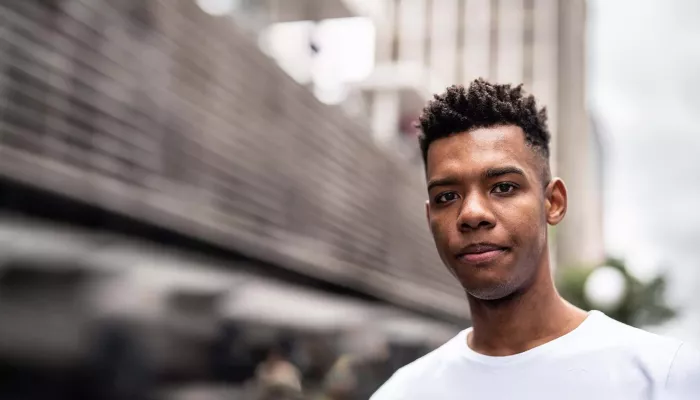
x=484, y=105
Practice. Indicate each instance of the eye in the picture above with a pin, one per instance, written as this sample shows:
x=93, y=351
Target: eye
x=446, y=197
x=504, y=188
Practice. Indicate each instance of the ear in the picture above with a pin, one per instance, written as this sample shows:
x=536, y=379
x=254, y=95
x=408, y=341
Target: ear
x=427, y=212
x=555, y=201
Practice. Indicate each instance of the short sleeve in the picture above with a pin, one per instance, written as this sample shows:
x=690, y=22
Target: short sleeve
x=394, y=389
x=683, y=381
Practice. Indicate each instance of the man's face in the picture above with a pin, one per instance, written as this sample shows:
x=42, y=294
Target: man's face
x=487, y=209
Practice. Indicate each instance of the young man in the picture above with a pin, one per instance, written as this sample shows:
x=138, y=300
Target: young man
x=491, y=199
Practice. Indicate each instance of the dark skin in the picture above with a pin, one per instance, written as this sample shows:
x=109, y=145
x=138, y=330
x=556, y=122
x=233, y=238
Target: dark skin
x=490, y=203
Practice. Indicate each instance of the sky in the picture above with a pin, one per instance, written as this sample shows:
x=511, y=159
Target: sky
x=644, y=81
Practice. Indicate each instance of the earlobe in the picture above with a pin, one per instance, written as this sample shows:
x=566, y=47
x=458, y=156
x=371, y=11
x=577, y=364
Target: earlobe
x=555, y=201
x=427, y=212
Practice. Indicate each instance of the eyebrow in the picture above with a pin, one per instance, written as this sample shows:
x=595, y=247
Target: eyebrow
x=488, y=174
x=449, y=181
x=507, y=170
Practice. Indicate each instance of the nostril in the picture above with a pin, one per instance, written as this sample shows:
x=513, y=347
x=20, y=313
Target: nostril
x=485, y=224
x=467, y=225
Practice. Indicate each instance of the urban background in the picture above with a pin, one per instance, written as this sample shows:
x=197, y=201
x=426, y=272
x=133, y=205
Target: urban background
x=223, y=199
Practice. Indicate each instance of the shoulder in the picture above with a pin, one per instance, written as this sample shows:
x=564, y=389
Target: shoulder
x=668, y=359
x=407, y=380
x=613, y=334
x=402, y=384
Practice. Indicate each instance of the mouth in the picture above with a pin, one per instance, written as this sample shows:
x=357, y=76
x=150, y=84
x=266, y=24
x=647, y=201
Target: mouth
x=481, y=253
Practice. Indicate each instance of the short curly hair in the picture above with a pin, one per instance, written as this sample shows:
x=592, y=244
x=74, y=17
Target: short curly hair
x=483, y=105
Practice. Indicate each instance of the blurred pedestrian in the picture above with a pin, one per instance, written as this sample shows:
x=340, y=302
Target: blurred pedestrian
x=491, y=199
x=360, y=370
x=278, y=375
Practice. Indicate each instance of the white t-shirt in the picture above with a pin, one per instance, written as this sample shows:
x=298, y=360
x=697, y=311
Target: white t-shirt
x=601, y=359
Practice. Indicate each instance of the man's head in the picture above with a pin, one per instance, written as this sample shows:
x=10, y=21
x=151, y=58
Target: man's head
x=491, y=195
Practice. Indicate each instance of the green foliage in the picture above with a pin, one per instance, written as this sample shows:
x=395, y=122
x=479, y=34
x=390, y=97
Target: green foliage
x=644, y=304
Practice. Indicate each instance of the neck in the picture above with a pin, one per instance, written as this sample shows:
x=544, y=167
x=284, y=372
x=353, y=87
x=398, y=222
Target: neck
x=524, y=320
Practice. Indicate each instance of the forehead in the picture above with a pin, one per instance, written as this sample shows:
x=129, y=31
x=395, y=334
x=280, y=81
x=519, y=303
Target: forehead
x=480, y=149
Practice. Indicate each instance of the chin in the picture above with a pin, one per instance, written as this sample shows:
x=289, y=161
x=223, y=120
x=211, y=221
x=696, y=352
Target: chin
x=487, y=283
x=489, y=289
x=499, y=292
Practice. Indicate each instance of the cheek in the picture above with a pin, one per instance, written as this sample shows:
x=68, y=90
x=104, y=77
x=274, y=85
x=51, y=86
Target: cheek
x=525, y=219
x=439, y=227
x=435, y=227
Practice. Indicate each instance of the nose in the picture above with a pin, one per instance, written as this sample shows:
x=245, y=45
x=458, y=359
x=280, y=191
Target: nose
x=475, y=214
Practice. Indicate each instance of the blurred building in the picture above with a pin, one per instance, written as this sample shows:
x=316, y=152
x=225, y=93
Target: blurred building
x=580, y=152
x=158, y=120
x=173, y=201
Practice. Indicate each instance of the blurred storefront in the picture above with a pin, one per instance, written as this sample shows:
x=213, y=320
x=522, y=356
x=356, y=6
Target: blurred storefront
x=98, y=305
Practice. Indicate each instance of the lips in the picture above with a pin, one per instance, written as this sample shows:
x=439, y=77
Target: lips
x=481, y=253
